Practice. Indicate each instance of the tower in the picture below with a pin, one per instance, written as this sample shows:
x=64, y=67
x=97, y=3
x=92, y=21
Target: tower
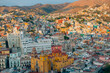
x=34, y=59
x=5, y=27
x=44, y=64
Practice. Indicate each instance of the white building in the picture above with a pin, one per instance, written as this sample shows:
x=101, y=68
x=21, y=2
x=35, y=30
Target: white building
x=26, y=45
x=18, y=39
x=3, y=61
x=14, y=38
x=97, y=63
x=14, y=60
x=25, y=61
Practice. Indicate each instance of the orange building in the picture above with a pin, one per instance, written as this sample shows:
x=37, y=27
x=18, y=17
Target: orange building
x=63, y=30
x=59, y=21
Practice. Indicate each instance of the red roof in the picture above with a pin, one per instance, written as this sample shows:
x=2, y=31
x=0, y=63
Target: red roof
x=75, y=38
x=17, y=27
x=98, y=47
x=60, y=21
x=57, y=51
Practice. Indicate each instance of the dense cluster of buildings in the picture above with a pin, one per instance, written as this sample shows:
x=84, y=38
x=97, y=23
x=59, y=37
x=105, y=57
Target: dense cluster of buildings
x=72, y=43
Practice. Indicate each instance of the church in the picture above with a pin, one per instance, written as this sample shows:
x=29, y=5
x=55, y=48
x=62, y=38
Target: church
x=47, y=62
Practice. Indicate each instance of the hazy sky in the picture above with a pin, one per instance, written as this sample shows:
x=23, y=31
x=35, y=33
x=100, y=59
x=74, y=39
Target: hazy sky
x=31, y=2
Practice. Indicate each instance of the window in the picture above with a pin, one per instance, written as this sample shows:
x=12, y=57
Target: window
x=11, y=62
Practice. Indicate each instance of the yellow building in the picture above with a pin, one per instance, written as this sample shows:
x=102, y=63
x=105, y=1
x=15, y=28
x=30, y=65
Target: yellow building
x=54, y=61
x=44, y=64
x=4, y=51
x=41, y=64
x=63, y=29
x=59, y=60
x=34, y=60
x=0, y=45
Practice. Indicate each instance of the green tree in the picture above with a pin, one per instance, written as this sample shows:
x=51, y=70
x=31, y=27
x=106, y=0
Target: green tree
x=73, y=49
x=106, y=69
x=66, y=37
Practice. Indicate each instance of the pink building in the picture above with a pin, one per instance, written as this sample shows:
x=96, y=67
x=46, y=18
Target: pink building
x=104, y=58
